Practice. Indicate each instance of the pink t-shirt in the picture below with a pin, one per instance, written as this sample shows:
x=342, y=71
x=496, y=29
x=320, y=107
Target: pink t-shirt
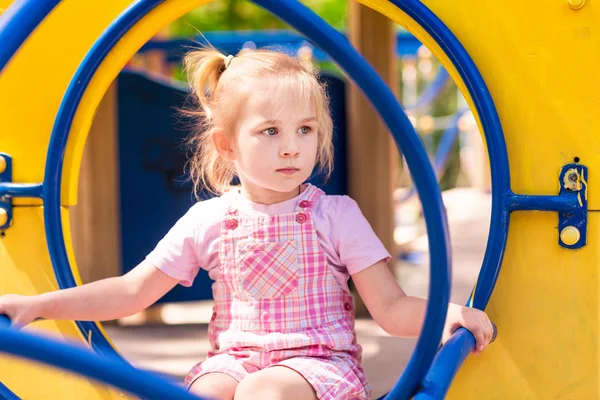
x=193, y=243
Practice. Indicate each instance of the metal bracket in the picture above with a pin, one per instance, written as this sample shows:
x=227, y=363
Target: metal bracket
x=572, y=225
x=5, y=201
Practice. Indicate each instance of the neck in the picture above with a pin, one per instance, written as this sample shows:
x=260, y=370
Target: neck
x=268, y=197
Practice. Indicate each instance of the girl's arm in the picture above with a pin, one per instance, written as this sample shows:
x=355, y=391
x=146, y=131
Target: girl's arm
x=106, y=299
x=402, y=315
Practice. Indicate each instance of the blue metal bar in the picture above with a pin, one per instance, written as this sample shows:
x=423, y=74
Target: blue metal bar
x=20, y=189
x=446, y=365
x=7, y=394
x=80, y=360
x=521, y=202
x=17, y=23
x=335, y=44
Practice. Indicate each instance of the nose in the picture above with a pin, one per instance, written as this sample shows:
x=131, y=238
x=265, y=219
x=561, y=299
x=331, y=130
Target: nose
x=289, y=147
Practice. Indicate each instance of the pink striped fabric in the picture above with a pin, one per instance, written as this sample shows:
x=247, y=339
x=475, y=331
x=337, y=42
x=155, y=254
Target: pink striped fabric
x=278, y=303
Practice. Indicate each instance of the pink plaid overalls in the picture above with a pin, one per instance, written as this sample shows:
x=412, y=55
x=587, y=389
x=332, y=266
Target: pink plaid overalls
x=276, y=302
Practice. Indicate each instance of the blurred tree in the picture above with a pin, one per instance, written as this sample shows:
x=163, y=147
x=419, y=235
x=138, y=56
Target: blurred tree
x=225, y=15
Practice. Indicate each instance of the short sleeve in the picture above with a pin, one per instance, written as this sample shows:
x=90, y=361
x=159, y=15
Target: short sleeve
x=175, y=254
x=356, y=243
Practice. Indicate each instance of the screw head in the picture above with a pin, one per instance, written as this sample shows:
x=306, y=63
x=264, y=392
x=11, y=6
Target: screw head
x=570, y=235
x=576, y=4
x=573, y=177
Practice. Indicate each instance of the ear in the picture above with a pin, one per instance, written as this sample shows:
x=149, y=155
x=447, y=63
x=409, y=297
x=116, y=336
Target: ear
x=223, y=144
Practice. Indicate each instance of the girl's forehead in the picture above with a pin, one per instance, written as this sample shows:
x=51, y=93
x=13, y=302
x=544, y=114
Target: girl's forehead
x=273, y=98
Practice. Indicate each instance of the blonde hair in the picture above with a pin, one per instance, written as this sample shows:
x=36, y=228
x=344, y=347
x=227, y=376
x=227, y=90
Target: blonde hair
x=218, y=86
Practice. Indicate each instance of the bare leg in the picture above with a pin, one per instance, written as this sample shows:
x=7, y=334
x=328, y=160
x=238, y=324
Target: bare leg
x=275, y=383
x=215, y=385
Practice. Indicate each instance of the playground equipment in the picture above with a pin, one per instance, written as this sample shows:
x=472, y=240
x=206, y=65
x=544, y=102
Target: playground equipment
x=547, y=294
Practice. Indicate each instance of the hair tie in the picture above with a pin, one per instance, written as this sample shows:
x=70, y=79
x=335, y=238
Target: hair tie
x=227, y=60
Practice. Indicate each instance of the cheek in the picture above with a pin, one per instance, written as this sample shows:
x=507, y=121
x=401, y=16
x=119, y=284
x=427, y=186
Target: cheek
x=311, y=146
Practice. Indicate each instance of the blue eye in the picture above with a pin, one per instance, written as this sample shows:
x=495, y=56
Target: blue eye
x=270, y=131
x=304, y=130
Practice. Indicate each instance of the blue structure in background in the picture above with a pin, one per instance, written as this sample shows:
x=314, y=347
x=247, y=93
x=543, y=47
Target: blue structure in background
x=152, y=157
x=232, y=42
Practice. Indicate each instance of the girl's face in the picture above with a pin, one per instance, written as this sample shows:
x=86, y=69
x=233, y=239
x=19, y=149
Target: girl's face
x=276, y=141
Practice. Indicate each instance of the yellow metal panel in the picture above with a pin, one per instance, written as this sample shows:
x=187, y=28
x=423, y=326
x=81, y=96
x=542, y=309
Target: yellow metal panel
x=33, y=83
x=539, y=61
x=546, y=308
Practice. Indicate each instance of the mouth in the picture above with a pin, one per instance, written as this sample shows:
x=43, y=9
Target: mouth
x=288, y=171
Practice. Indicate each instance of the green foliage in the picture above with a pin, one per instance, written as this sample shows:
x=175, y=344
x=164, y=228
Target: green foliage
x=224, y=15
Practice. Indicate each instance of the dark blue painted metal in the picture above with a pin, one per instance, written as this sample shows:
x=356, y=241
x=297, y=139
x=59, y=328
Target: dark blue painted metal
x=56, y=153
x=445, y=365
x=492, y=130
x=17, y=23
x=20, y=189
x=566, y=203
x=6, y=179
x=578, y=217
x=331, y=41
x=500, y=175
x=78, y=359
x=7, y=394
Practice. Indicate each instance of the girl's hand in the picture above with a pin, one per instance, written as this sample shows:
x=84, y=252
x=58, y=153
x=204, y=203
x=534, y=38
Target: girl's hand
x=476, y=321
x=22, y=310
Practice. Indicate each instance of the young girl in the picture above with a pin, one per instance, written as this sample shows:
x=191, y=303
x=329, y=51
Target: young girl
x=280, y=251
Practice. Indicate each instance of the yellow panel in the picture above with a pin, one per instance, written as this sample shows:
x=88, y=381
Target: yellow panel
x=33, y=83
x=539, y=61
x=546, y=308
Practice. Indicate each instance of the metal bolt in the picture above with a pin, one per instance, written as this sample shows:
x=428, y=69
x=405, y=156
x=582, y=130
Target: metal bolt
x=570, y=235
x=2, y=164
x=574, y=177
x=576, y=4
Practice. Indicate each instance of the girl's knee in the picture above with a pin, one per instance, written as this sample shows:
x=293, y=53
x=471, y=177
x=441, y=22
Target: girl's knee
x=277, y=383
x=215, y=385
x=257, y=386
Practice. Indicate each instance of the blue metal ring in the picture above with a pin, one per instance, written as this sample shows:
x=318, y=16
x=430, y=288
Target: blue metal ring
x=17, y=23
x=494, y=136
x=7, y=394
x=375, y=89
x=332, y=42
x=454, y=352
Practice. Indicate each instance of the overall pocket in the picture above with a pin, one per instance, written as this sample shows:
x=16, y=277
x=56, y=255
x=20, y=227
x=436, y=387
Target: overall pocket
x=268, y=270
